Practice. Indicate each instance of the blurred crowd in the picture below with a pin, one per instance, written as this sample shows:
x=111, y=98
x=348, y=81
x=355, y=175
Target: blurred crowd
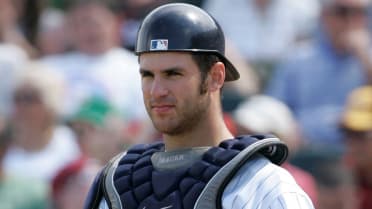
x=70, y=92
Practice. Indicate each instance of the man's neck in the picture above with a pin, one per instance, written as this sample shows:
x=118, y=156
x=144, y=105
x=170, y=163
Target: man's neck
x=209, y=133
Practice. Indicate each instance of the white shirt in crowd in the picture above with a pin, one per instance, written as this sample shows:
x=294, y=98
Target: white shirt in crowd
x=264, y=36
x=44, y=164
x=113, y=75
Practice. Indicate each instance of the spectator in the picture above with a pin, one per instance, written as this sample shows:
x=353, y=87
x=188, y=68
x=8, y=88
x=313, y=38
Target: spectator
x=18, y=22
x=11, y=60
x=41, y=145
x=336, y=187
x=51, y=38
x=131, y=13
x=315, y=80
x=252, y=24
x=248, y=84
x=98, y=66
x=17, y=192
x=12, y=56
x=100, y=131
x=357, y=125
x=261, y=114
x=71, y=184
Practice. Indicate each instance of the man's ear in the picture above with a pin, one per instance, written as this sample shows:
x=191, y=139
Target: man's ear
x=216, y=76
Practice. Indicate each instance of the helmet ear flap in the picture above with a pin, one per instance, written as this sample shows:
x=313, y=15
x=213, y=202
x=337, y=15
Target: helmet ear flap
x=183, y=27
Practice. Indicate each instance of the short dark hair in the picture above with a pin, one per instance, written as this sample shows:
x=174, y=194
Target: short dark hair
x=204, y=61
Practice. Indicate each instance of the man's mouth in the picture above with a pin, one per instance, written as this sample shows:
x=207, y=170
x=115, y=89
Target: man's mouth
x=162, y=108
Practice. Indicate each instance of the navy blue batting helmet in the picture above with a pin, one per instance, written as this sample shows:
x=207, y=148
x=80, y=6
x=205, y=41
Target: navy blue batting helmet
x=183, y=27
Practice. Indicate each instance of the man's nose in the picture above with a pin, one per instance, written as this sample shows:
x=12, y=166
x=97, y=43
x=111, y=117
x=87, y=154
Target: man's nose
x=158, y=88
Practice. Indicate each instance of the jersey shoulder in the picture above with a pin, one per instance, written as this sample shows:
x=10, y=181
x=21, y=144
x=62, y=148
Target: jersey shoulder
x=262, y=184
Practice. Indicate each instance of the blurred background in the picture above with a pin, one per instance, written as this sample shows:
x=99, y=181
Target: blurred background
x=70, y=92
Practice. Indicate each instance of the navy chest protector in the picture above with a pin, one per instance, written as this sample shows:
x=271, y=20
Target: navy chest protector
x=130, y=180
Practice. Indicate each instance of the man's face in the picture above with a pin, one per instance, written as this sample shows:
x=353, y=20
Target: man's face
x=171, y=85
x=359, y=148
x=29, y=110
x=8, y=14
x=98, y=142
x=342, y=17
x=92, y=29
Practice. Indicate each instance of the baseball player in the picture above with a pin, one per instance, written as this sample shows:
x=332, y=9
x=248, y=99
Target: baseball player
x=199, y=163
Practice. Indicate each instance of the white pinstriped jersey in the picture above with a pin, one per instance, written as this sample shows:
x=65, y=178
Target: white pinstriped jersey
x=259, y=184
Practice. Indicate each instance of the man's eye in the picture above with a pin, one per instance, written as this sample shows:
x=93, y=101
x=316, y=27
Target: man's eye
x=173, y=73
x=146, y=74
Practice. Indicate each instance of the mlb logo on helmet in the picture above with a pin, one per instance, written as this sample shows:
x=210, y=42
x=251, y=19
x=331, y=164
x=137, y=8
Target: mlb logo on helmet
x=159, y=44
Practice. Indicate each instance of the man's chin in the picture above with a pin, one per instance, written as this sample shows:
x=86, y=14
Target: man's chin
x=168, y=130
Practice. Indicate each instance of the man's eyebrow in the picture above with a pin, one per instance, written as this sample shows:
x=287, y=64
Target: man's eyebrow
x=173, y=69
x=167, y=70
x=142, y=71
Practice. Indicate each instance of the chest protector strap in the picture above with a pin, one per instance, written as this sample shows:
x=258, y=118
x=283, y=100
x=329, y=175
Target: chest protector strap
x=210, y=197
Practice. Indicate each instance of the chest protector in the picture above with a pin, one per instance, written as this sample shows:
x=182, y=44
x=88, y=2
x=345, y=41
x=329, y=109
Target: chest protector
x=130, y=181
